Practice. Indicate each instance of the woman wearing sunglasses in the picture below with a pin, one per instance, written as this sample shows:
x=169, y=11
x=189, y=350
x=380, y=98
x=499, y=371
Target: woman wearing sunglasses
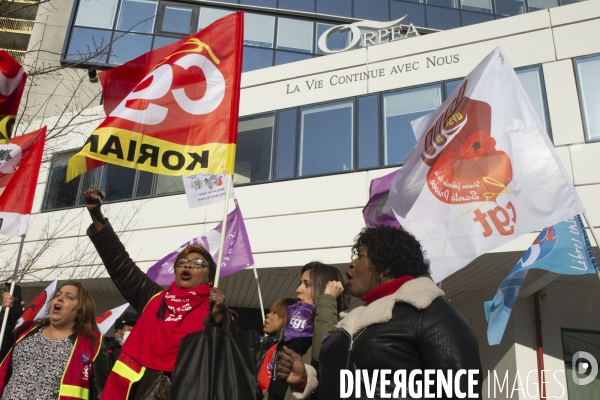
x=166, y=316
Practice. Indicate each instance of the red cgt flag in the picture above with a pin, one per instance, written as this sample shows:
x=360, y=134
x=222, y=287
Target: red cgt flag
x=12, y=83
x=19, y=169
x=174, y=110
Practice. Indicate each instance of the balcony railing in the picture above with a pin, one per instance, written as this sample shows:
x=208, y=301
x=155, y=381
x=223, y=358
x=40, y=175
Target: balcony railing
x=13, y=24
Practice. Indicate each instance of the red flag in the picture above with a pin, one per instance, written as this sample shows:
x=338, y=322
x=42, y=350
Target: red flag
x=12, y=83
x=108, y=318
x=19, y=168
x=174, y=110
x=38, y=308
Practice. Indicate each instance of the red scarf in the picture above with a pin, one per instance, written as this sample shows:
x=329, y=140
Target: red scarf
x=386, y=289
x=154, y=341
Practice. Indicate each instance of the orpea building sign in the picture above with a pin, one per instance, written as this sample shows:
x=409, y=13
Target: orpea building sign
x=375, y=32
x=371, y=33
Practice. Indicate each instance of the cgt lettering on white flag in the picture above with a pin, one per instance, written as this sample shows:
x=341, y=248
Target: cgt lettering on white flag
x=483, y=172
x=204, y=189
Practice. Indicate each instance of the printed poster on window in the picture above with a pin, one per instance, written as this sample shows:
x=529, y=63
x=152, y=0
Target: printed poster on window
x=204, y=189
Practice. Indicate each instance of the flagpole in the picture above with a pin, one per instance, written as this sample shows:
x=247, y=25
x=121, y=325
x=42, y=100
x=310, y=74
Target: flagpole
x=223, y=228
x=12, y=288
x=262, y=307
x=594, y=236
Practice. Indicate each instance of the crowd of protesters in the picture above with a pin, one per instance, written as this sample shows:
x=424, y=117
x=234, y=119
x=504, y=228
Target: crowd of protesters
x=404, y=323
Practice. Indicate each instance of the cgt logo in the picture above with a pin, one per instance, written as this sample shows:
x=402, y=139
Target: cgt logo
x=584, y=363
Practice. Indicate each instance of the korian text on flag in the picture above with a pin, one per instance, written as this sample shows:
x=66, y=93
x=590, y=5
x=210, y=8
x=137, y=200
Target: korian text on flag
x=19, y=169
x=483, y=172
x=12, y=83
x=174, y=110
x=237, y=252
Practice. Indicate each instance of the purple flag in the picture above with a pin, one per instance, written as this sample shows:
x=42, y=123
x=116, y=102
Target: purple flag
x=373, y=212
x=300, y=318
x=237, y=256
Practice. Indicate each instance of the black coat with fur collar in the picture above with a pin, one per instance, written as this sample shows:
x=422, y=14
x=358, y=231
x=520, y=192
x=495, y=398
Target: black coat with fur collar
x=413, y=328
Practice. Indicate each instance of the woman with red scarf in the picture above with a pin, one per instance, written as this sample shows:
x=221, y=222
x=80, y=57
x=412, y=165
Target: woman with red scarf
x=147, y=359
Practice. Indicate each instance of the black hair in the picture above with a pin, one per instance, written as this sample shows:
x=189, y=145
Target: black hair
x=392, y=251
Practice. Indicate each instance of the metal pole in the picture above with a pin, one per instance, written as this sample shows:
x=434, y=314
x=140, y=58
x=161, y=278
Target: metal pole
x=593, y=235
x=12, y=288
x=223, y=228
x=262, y=307
x=539, y=344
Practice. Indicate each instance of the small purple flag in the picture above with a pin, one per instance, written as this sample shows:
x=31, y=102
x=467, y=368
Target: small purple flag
x=378, y=193
x=238, y=254
x=299, y=324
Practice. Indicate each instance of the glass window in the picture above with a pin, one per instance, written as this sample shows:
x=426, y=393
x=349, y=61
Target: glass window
x=536, y=5
x=128, y=46
x=326, y=143
x=442, y=18
x=368, y=132
x=177, y=19
x=509, y=7
x=471, y=18
x=137, y=16
x=376, y=10
x=451, y=86
x=443, y=3
x=169, y=184
x=335, y=7
x=255, y=58
x=336, y=41
x=285, y=156
x=117, y=182
x=209, y=15
x=588, y=71
x=298, y=5
x=294, y=34
x=286, y=57
x=258, y=29
x=416, y=12
x=400, y=108
x=60, y=194
x=484, y=6
x=254, y=150
x=575, y=341
x=160, y=41
x=260, y=3
x=144, y=184
x=89, y=44
x=96, y=14
x=531, y=80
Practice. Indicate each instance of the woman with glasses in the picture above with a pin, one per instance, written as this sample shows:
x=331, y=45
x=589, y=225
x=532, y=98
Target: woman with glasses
x=147, y=359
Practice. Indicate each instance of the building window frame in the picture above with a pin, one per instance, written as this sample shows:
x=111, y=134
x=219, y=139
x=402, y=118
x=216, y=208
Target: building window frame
x=582, y=109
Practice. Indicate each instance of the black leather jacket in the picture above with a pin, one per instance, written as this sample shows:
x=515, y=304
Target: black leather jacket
x=414, y=328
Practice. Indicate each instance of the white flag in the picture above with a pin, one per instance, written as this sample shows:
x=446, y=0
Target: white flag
x=484, y=171
x=38, y=308
x=108, y=318
x=205, y=189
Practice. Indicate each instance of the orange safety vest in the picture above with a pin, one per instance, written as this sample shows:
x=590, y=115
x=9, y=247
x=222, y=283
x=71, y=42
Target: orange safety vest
x=75, y=381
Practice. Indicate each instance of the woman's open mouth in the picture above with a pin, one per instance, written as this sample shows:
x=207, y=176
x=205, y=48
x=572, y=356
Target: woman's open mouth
x=185, y=275
x=57, y=308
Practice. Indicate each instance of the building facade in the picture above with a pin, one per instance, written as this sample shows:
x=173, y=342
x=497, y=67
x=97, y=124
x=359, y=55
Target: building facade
x=314, y=130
